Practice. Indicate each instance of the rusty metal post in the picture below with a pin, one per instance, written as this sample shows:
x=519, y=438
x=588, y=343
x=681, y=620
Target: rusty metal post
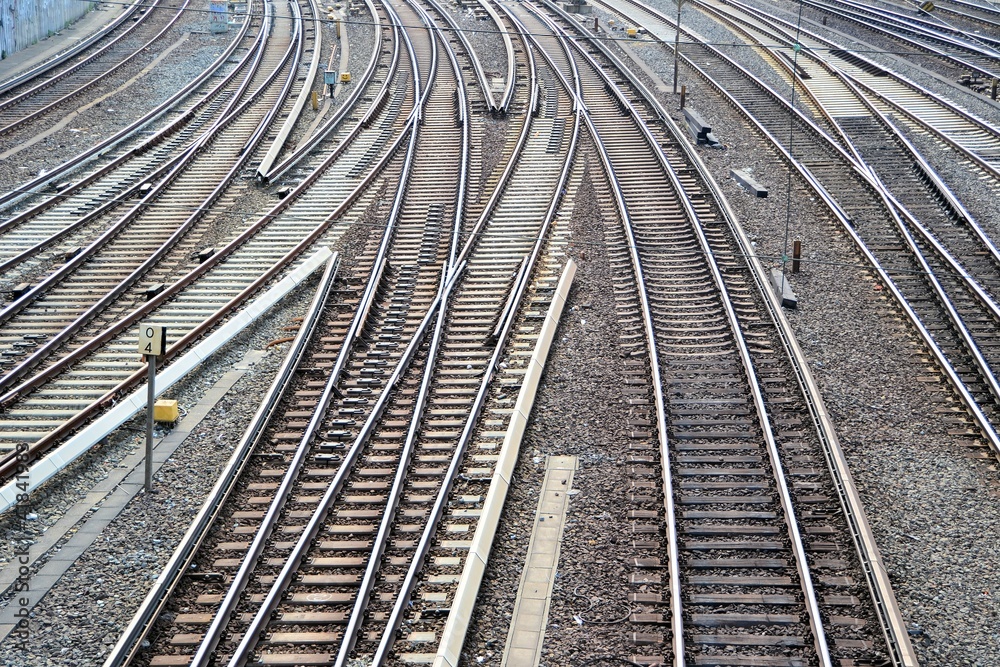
x=993, y=89
x=150, y=404
x=796, y=255
x=677, y=43
x=684, y=92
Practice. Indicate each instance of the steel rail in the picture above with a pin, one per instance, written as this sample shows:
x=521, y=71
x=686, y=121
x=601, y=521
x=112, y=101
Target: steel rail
x=159, y=173
x=206, y=265
x=234, y=593
x=971, y=5
x=877, y=578
x=445, y=290
x=798, y=548
x=267, y=172
x=104, y=209
x=8, y=462
x=293, y=55
x=105, y=146
x=93, y=82
x=47, y=66
x=784, y=494
x=957, y=208
x=938, y=25
x=505, y=176
x=196, y=146
x=130, y=641
x=477, y=67
x=408, y=584
x=251, y=635
x=933, y=22
x=986, y=427
x=652, y=348
x=946, y=198
x=904, y=220
x=367, y=582
x=453, y=270
x=503, y=106
x=885, y=22
x=241, y=578
x=81, y=46
x=949, y=106
x=183, y=161
x=305, y=90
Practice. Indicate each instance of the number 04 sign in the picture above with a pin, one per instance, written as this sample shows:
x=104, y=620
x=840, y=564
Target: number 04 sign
x=152, y=339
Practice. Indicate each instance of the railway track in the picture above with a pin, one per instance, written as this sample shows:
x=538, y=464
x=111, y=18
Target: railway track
x=51, y=66
x=895, y=95
x=735, y=465
x=940, y=225
x=497, y=265
x=981, y=13
x=72, y=217
x=199, y=297
x=344, y=536
x=41, y=94
x=919, y=282
x=123, y=251
x=951, y=46
x=51, y=185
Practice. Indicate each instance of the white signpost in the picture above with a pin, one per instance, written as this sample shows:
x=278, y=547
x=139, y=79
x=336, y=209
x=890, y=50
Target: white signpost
x=152, y=344
x=218, y=17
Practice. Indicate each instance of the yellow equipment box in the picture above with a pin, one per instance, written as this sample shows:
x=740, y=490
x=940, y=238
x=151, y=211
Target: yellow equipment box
x=165, y=411
x=631, y=32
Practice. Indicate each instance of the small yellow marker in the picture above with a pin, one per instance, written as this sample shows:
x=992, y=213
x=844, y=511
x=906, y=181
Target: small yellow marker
x=345, y=77
x=165, y=411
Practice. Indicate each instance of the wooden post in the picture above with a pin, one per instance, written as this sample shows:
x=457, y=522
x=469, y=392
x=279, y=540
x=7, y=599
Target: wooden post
x=993, y=89
x=796, y=255
x=684, y=92
x=315, y=100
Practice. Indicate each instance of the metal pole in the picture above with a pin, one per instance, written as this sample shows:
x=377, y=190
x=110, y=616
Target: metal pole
x=677, y=41
x=150, y=400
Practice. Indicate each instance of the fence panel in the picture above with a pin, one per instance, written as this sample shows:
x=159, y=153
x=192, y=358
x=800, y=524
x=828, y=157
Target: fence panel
x=24, y=22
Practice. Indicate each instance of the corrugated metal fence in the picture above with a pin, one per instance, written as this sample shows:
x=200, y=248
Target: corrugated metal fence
x=24, y=22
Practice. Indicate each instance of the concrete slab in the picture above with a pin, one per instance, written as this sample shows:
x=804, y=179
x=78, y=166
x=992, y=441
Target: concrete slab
x=747, y=182
x=783, y=289
x=531, y=609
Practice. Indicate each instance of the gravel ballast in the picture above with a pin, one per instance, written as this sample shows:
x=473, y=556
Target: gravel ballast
x=930, y=494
